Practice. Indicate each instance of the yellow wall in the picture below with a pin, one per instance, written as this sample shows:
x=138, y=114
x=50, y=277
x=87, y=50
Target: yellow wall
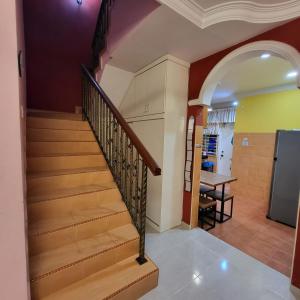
x=269, y=112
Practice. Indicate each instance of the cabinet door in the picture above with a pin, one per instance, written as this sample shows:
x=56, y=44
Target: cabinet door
x=151, y=90
x=151, y=134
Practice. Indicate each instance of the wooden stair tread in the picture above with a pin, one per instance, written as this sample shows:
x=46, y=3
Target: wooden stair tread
x=65, y=172
x=65, y=154
x=48, y=262
x=108, y=282
x=62, y=193
x=51, y=123
x=76, y=217
x=54, y=115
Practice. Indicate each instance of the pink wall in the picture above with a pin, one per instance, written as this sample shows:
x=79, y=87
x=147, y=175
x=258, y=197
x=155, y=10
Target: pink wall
x=13, y=256
x=58, y=39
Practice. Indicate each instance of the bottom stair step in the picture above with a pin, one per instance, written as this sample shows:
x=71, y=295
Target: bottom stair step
x=126, y=280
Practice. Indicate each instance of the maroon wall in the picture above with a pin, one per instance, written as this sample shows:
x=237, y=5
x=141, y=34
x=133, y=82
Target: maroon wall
x=58, y=36
x=296, y=267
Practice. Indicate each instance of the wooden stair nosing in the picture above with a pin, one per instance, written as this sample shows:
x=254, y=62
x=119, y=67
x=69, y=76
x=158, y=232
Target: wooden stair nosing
x=64, y=154
x=40, y=174
x=71, y=194
x=78, y=223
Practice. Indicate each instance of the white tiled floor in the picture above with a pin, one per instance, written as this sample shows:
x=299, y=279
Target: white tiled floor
x=196, y=265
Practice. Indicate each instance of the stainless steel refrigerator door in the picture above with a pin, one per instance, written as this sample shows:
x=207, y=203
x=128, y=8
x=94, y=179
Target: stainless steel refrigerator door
x=286, y=178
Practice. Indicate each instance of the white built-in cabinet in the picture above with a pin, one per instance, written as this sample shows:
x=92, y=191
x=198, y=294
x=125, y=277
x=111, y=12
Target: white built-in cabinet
x=155, y=107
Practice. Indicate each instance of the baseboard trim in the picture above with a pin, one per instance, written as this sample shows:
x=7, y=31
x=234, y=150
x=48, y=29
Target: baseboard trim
x=186, y=226
x=295, y=291
x=152, y=224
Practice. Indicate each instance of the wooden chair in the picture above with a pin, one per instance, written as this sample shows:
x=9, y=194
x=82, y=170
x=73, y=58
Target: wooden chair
x=207, y=213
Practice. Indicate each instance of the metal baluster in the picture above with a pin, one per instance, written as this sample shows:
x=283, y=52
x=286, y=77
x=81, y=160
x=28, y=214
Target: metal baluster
x=118, y=155
x=110, y=125
x=142, y=215
x=106, y=131
x=136, y=196
x=131, y=166
x=122, y=162
x=126, y=171
x=98, y=117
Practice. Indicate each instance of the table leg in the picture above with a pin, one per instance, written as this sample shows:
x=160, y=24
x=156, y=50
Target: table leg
x=222, y=204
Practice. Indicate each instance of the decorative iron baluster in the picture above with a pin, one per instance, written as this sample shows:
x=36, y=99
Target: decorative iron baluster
x=126, y=157
x=136, y=176
x=142, y=215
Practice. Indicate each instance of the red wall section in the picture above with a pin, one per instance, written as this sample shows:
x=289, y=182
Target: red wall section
x=288, y=33
x=296, y=267
x=58, y=39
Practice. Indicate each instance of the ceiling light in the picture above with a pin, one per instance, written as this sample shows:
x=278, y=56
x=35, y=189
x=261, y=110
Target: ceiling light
x=209, y=109
x=265, y=56
x=292, y=74
x=235, y=103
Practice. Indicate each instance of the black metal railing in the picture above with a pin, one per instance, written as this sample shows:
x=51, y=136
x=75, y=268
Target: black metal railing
x=126, y=156
x=100, y=35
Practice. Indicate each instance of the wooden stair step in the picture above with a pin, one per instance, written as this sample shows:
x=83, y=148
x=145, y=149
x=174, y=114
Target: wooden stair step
x=48, y=262
x=61, y=148
x=124, y=280
x=55, y=269
x=51, y=173
x=60, y=162
x=74, y=216
x=63, y=154
x=72, y=191
x=56, y=135
x=50, y=123
x=44, y=184
x=53, y=115
x=53, y=233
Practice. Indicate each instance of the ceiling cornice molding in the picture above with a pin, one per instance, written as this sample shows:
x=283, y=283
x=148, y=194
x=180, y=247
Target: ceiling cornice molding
x=248, y=11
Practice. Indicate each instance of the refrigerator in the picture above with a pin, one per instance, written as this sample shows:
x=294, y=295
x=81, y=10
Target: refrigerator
x=285, y=187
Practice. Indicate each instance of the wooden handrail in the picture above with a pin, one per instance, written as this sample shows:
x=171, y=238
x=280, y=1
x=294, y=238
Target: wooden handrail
x=148, y=159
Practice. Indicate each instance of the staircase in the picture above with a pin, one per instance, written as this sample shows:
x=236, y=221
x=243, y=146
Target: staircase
x=83, y=243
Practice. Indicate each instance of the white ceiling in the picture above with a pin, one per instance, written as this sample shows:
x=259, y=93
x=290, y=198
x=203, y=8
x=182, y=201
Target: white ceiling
x=166, y=32
x=254, y=75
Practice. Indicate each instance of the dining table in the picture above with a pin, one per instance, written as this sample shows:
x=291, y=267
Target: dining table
x=214, y=180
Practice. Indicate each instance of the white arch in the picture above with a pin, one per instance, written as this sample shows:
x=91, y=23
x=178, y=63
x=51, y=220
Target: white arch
x=239, y=55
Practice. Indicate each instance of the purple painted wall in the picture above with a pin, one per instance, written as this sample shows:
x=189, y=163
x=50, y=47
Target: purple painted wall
x=58, y=39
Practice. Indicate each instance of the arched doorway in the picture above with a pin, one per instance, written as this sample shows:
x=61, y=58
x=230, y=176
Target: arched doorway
x=249, y=51
x=241, y=54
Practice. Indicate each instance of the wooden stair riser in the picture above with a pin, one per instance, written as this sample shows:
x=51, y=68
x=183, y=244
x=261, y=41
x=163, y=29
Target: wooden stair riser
x=55, y=148
x=53, y=115
x=44, y=184
x=138, y=289
x=38, y=164
x=56, y=135
x=63, y=206
x=53, y=240
x=35, y=122
x=43, y=287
